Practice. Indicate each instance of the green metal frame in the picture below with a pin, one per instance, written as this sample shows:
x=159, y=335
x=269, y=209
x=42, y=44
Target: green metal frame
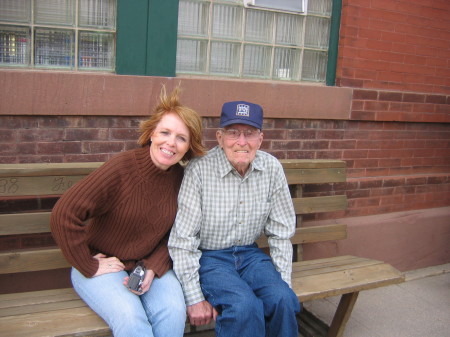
x=334, y=42
x=147, y=37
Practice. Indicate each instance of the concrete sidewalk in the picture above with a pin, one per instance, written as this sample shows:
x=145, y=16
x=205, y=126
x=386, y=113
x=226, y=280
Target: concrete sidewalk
x=418, y=307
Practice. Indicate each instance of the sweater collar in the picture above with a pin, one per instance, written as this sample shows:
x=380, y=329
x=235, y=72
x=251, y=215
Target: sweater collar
x=146, y=166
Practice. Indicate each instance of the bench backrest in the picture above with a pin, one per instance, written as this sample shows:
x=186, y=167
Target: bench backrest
x=25, y=180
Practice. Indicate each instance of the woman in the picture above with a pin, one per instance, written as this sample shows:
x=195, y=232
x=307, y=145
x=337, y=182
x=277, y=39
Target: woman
x=121, y=214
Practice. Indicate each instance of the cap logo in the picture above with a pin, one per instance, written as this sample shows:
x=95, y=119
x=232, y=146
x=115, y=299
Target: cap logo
x=243, y=110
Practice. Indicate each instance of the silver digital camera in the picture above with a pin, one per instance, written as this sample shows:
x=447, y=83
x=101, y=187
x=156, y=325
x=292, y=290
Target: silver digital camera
x=136, y=277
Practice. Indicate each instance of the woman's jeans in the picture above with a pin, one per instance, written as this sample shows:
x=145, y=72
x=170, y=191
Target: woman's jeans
x=160, y=312
x=249, y=294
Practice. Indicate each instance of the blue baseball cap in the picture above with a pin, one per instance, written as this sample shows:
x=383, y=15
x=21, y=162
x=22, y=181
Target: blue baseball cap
x=241, y=112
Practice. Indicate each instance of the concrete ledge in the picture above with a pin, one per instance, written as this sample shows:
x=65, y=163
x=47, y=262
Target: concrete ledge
x=77, y=93
x=427, y=272
x=407, y=240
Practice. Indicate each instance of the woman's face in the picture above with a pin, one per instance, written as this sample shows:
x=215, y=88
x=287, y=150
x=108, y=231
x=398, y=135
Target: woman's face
x=170, y=141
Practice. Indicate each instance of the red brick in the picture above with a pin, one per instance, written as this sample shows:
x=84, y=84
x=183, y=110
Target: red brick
x=391, y=200
x=363, y=115
x=83, y=134
x=8, y=135
x=377, y=192
x=40, y=135
x=301, y=134
x=376, y=106
x=343, y=144
x=411, y=97
x=392, y=182
x=315, y=144
x=390, y=96
x=58, y=148
x=370, y=183
x=365, y=94
x=123, y=134
x=400, y=106
x=354, y=154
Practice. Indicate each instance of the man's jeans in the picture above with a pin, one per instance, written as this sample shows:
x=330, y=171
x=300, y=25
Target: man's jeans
x=251, y=298
x=160, y=312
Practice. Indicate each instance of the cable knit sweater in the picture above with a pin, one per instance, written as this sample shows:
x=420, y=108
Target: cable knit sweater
x=125, y=209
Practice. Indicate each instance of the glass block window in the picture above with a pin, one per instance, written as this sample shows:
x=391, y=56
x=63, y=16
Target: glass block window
x=226, y=38
x=58, y=34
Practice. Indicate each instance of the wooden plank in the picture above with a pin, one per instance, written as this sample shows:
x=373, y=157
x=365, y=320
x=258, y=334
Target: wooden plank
x=315, y=175
x=16, y=310
x=32, y=260
x=67, y=322
x=329, y=261
x=38, y=185
x=24, y=223
x=312, y=234
x=343, y=261
x=319, y=233
x=320, y=204
x=347, y=281
x=312, y=163
x=35, y=297
x=342, y=315
x=297, y=271
x=47, y=169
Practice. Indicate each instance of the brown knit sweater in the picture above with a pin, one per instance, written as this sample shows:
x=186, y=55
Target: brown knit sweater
x=125, y=209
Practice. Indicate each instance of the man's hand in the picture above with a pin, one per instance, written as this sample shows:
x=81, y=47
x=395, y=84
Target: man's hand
x=201, y=313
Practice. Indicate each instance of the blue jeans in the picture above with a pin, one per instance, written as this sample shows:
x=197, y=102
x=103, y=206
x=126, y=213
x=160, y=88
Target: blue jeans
x=160, y=312
x=249, y=293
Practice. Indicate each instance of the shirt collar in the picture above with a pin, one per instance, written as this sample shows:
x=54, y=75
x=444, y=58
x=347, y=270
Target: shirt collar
x=224, y=166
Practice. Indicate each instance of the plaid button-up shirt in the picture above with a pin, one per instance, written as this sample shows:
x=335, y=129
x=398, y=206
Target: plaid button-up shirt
x=218, y=208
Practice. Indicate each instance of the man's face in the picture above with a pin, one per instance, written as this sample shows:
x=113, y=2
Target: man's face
x=240, y=145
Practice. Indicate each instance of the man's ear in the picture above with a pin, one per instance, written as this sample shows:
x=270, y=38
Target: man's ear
x=261, y=137
x=219, y=136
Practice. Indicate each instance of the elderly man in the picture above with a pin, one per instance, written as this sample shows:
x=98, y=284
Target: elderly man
x=228, y=198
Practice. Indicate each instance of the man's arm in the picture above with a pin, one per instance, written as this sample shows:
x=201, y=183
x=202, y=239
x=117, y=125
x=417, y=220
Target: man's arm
x=280, y=227
x=184, y=238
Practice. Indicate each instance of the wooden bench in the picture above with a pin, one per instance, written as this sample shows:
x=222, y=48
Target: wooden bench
x=60, y=312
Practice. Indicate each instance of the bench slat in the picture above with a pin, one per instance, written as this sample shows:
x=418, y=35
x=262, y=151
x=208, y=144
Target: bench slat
x=312, y=163
x=47, y=169
x=320, y=204
x=315, y=176
x=32, y=260
x=24, y=223
x=52, y=258
x=42, y=307
x=39, y=185
x=312, y=234
x=327, y=284
x=79, y=321
x=35, y=297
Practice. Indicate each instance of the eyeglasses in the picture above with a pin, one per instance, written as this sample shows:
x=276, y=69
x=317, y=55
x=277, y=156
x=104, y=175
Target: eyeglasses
x=235, y=134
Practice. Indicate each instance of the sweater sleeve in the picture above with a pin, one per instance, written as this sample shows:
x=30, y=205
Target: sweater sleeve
x=87, y=198
x=159, y=260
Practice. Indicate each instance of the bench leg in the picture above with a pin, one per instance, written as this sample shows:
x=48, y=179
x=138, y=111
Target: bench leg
x=342, y=314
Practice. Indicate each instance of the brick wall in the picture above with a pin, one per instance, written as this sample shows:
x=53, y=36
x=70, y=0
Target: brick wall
x=400, y=45
x=391, y=166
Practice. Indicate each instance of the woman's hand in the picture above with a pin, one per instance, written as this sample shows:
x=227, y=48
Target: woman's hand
x=108, y=264
x=146, y=283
